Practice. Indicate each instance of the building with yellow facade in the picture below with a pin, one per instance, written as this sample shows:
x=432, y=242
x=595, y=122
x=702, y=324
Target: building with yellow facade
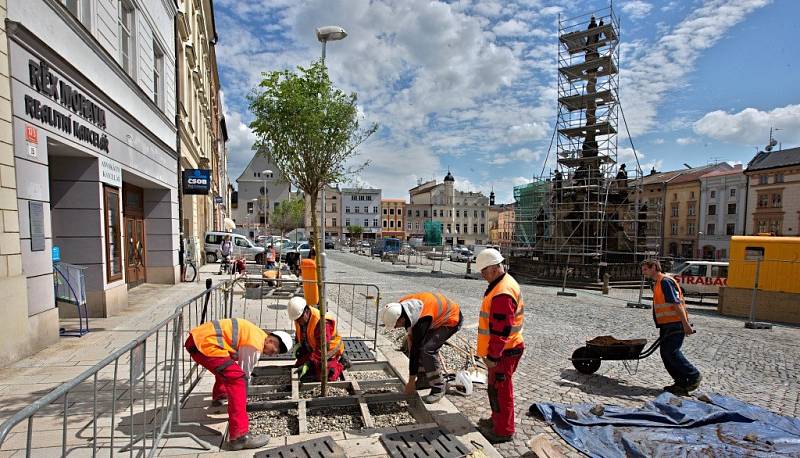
x=393, y=218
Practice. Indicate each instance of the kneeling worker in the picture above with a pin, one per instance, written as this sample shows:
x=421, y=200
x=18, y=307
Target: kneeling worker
x=306, y=326
x=430, y=319
x=230, y=348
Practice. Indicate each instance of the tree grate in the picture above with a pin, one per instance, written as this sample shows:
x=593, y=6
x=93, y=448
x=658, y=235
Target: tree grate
x=423, y=443
x=357, y=350
x=323, y=447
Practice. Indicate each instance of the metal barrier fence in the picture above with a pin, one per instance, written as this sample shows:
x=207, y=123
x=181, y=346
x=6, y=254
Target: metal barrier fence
x=129, y=401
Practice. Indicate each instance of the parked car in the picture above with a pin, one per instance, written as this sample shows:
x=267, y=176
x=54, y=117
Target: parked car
x=329, y=245
x=303, y=248
x=388, y=245
x=701, y=278
x=242, y=246
x=461, y=255
x=364, y=244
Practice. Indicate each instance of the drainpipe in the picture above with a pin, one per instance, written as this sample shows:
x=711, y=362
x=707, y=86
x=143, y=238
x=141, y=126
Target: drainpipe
x=181, y=249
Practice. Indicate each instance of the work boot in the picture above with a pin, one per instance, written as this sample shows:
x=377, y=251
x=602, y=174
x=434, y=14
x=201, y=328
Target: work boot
x=218, y=402
x=494, y=438
x=486, y=423
x=435, y=395
x=677, y=390
x=248, y=442
x=696, y=384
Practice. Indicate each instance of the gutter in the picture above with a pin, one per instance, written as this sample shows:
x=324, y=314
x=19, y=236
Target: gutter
x=181, y=248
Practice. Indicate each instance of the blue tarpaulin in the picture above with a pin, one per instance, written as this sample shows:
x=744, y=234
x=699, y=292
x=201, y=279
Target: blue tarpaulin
x=673, y=426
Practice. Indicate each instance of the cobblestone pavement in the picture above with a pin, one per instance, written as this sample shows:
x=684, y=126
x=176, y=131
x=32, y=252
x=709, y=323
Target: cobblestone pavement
x=757, y=366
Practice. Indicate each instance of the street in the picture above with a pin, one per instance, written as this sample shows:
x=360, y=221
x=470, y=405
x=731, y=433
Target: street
x=756, y=366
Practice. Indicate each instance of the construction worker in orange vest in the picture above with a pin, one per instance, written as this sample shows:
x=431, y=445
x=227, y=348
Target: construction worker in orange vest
x=500, y=343
x=307, y=349
x=430, y=319
x=230, y=348
x=672, y=321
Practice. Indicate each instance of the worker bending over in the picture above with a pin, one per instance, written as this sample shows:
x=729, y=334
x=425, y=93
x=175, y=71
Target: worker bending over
x=500, y=343
x=306, y=326
x=430, y=319
x=230, y=348
x=672, y=321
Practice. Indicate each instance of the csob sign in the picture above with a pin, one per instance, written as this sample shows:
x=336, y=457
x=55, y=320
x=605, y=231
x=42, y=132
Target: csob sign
x=196, y=181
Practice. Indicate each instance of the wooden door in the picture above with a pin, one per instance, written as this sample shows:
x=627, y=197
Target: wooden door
x=135, y=245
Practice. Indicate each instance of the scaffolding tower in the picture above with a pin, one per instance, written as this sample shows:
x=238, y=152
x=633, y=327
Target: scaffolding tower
x=588, y=213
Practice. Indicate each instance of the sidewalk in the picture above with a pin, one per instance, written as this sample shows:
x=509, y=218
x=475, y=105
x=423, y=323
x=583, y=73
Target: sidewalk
x=29, y=379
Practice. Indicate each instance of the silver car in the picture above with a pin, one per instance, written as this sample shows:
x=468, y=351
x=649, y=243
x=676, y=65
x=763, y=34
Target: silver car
x=242, y=246
x=461, y=255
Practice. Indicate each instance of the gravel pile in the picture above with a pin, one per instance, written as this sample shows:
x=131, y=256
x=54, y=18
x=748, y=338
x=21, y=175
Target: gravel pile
x=388, y=414
x=370, y=375
x=271, y=380
x=454, y=359
x=270, y=397
x=331, y=391
x=382, y=389
x=334, y=419
x=276, y=423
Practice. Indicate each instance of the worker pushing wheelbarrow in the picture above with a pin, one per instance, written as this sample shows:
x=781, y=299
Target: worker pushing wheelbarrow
x=672, y=321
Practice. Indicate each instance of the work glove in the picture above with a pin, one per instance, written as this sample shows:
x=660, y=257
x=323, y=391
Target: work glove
x=304, y=369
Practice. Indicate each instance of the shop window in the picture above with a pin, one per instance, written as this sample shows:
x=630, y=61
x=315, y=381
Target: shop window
x=127, y=37
x=113, y=234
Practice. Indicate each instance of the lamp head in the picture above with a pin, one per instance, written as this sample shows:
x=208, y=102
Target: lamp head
x=330, y=33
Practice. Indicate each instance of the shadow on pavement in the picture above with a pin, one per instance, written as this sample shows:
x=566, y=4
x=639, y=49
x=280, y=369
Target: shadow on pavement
x=605, y=386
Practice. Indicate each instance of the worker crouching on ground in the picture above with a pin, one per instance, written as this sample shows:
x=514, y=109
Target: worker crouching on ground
x=672, y=321
x=500, y=343
x=230, y=348
x=430, y=319
x=306, y=326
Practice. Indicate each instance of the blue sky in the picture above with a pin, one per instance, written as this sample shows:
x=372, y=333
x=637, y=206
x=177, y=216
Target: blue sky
x=471, y=85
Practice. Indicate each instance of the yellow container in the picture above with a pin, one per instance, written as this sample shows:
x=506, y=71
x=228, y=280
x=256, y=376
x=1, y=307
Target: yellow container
x=780, y=263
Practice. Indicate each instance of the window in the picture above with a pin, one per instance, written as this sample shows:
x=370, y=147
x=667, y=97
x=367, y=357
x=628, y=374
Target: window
x=333, y=207
x=713, y=194
x=375, y=223
x=127, y=39
x=347, y=209
x=720, y=271
x=475, y=214
x=370, y=198
x=356, y=209
x=158, y=76
x=241, y=241
x=417, y=213
x=483, y=214
x=435, y=212
x=475, y=228
x=779, y=178
x=250, y=207
x=674, y=230
x=692, y=195
x=675, y=210
x=763, y=200
x=384, y=224
x=695, y=270
x=777, y=200
x=79, y=9
x=690, y=208
x=731, y=209
x=366, y=209
x=730, y=229
x=424, y=213
x=113, y=234
x=391, y=211
x=449, y=228
x=483, y=228
x=417, y=226
x=334, y=222
x=458, y=213
x=690, y=230
x=385, y=211
x=409, y=226
x=374, y=209
x=347, y=222
x=458, y=228
x=710, y=229
x=733, y=192
x=409, y=212
x=712, y=210
x=366, y=223
x=763, y=179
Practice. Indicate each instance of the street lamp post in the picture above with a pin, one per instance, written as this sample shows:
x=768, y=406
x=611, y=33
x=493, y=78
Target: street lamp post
x=264, y=175
x=255, y=202
x=324, y=35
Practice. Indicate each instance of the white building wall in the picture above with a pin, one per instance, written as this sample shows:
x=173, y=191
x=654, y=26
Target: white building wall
x=721, y=187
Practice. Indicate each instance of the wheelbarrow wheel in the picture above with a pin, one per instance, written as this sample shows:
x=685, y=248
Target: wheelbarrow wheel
x=585, y=361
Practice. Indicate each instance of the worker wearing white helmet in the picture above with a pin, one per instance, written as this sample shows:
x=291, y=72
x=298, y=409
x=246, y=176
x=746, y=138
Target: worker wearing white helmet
x=429, y=319
x=306, y=325
x=500, y=342
x=229, y=349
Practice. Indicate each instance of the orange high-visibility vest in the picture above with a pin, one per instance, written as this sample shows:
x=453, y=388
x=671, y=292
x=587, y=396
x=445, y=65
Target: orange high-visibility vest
x=663, y=312
x=223, y=338
x=509, y=287
x=443, y=311
x=335, y=345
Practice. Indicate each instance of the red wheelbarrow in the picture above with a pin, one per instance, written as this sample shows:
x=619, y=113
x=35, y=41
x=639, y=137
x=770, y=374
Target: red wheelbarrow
x=587, y=359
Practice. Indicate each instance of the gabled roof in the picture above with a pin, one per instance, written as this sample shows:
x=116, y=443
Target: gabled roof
x=774, y=159
x=722, y=172
x=690, y=175
x=660, y=178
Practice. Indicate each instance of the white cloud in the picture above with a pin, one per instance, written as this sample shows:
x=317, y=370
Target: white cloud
x=488, y=9
x=637, y=9
x=511, y=28
x=751, y=126
x=685, y=140
x=658, y=141
x=660, y=67
x=520, y=155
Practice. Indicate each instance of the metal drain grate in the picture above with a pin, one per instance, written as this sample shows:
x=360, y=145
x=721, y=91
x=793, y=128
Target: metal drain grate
x=423, y=443
x=323, y=447
x=357, y=350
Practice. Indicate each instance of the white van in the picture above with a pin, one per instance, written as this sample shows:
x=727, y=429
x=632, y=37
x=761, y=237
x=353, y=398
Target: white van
x=242, y=246
x=701, y=278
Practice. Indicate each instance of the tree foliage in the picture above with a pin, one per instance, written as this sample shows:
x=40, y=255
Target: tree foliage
x=288, y=215
x=355, y=231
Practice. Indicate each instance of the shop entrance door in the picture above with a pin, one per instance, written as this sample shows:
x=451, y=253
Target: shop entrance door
x=135, y=246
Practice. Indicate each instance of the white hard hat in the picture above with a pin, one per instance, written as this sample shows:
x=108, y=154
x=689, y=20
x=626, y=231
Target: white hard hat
x=285, y=339
x=297, y=305
x=391, y=313
x=488, y=257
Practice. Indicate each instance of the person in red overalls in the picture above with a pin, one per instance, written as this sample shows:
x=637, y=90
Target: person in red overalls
x=500, y=343
x=230, y=348
x=306, y=327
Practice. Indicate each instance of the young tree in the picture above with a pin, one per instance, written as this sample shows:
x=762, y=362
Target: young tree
x=288, y=215
x=310, y=130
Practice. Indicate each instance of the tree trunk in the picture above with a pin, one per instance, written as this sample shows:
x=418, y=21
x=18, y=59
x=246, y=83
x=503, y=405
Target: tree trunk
x=323, y=345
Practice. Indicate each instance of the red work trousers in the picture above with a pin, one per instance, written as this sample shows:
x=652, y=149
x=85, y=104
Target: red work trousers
x=501, y=392
x=229, y=383
x=335, y=367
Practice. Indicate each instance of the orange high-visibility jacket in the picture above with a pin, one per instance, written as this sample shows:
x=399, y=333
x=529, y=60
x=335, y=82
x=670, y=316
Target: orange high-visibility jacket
x=223, y=338
x=663, y=312
x=510, y=287
x=335, y=345
x=443, y=311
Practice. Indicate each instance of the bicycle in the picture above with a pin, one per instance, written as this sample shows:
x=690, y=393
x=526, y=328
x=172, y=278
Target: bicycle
x=189, y=270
